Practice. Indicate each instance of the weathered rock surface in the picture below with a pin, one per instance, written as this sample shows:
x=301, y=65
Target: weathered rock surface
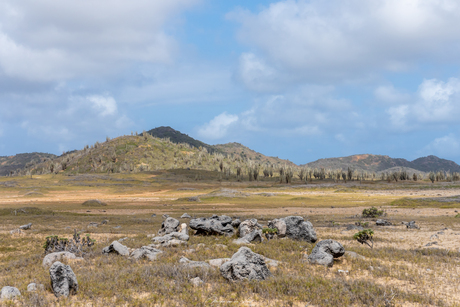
x=196, y=282
x=382, y=222
x=236, y=223
x=185, y=216
x=149, y=252
x=325, y=252
x=354, y=255
x=58, y=256
x=254, y=237
x=193, y=264
x=9, y=293
x=63, y=280
x=117, y=248
x=410, y=225
x=245, y=264
x=26, y=227
x=217, y=262
x=247, y=227
x=169, y=225
x=32, y=287
x=298, y=229
x=215, y=225
x=280, y=225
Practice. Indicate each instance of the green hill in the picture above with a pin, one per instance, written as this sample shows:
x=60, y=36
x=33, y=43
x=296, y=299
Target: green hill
x=9, y=164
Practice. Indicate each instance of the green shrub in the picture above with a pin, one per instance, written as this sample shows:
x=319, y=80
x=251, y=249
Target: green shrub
x=270, y=230
x=365, y=236
x=458, y=215
x=372, y=212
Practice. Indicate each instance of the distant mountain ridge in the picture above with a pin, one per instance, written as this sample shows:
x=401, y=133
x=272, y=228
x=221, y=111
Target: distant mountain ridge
x=378, y=163
x=10, y=164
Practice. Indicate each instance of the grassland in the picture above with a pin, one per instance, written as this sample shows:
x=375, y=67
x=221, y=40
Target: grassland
x=399, y=271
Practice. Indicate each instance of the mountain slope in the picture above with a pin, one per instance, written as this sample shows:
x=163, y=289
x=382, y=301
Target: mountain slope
x=177, y=137
x=377, y=163
x=236, y=149
x=12, y=163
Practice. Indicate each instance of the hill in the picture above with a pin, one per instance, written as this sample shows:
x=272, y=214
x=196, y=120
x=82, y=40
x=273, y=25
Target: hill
x=10, y=164
x=178, y=137
x=378, y=163
x=236, y=149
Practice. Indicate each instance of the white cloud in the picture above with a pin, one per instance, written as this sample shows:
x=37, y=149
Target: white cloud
x=44, y=40
x=217, y=128
x=106, y=105
x=342, y=39
x=446, y=146
x=390, y=95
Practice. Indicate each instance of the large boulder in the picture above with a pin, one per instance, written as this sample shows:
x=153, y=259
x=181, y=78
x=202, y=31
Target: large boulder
x=298, y=229
x=63, y=280
x=169, y=225
x=9, y=293
x=236, y=223
x=58, y=256
x=220, y=225
x=254, y=236
x=280, y=225
x=149, y=252
x=117, y=248
x=325, y=252
x=245, y=264
x=247, y=227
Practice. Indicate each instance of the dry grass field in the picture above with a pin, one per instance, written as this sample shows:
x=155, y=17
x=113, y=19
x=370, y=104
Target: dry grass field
x=405, y=267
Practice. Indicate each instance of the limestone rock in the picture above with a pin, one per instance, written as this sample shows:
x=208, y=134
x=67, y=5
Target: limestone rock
x=325, y=252
x=410, y=225
x=185, y=216
x=245, y=264
x=236, y=223
x=280, y=225
x=214, y=225
x=26, y=227
x=148, y=252
x=63, y=280
x=298, y=229
x=382, y=222
x=253, y=237
x=193, y=264
x=217, y=262
x=9, y=293
x=117, y=248
x=169, y=225
x=196, y=282
x=247, y=227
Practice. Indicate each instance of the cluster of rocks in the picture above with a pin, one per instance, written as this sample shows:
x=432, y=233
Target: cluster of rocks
x=149, y=252
x=294, y=227
x=382, y=222
x=214, y=225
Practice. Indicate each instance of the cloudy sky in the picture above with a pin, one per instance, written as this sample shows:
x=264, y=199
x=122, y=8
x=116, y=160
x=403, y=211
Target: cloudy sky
x=300, y=80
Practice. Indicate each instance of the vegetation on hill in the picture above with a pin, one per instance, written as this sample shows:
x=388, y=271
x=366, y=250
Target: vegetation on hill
x=11, y=164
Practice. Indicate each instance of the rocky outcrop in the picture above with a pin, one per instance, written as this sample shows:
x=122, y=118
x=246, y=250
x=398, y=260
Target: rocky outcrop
x=236, y=223
x=298, y=229
x=193, y=264
x=253, y=237
x=117, y=248
x=215, y=225
x=245, y=264
x=58, y=256
x=9, y=293
x=169, y=225
x=26, y=227
x=63, y=280
x=247, y=227
x=149, y=252
x=280, y=225
x=382, y=222
x=410, y=225
x=325, y=252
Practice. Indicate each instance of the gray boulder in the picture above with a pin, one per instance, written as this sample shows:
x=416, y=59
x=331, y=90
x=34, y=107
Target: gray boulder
x=26, y=227
x=218, y=262
x=193, y=264
x=245, y=264
x=382, y=222
x=254, y=236
x=236, y=223
x=298, y=229
x=148, y=252
x=169, y=225
x=9, y=293
x=280, y=225
x=220, y=225
x=173, y=235
x=57, y=256
x=185, y=216
x=196, y=282
x=247, y=227
x=410, y=225
x=325, y=252
x=117, y=248
x=63, y=280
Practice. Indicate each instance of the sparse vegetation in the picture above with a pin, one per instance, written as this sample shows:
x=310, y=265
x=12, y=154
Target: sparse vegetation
x=372, y=212
x=365, y=236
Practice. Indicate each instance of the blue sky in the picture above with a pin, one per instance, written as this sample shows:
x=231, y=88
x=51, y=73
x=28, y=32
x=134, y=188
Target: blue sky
x=301, y=80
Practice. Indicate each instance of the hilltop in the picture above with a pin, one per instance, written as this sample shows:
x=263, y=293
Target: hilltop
x=10, y=164
x=379, y=163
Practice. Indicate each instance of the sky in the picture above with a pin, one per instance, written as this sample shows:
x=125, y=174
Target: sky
x=300, y=80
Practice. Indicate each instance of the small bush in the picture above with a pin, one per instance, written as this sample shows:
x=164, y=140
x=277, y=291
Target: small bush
x=75, y=245
x=270, y=230
x=372, y=212
x=365, y=236
x=362, y=224
x=458, y=215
